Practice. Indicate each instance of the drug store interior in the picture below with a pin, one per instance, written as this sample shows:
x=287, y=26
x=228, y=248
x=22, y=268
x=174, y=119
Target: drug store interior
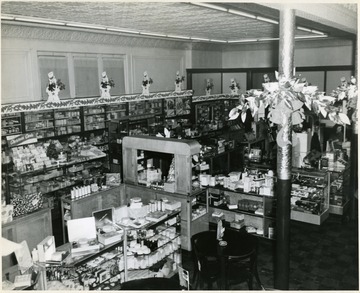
x=179, y=146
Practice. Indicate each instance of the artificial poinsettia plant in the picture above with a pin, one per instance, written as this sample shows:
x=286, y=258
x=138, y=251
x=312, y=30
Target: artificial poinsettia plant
x=287, y=96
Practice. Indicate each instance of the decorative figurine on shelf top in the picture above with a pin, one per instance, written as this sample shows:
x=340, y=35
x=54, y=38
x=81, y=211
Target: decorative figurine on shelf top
x=266, y=78
x=209, y=86
x=304, y=81
x=146, y=83
x=105, y=85
x=234, y=86
x=53, y=88
x=178, y=81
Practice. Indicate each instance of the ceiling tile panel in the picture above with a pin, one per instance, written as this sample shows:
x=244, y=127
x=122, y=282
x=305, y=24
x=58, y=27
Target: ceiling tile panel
x=168, y=18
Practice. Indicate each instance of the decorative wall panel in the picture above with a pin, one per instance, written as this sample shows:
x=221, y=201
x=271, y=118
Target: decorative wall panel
x=15, y=76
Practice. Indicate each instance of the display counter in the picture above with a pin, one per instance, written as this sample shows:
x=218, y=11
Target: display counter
x=84, y=206
x=32, y=228
x=152, y=250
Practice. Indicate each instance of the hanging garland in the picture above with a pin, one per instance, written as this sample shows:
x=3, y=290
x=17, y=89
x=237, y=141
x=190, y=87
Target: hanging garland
x=287, y=96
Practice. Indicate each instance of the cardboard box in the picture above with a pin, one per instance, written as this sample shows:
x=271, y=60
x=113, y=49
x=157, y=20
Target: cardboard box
x=110, y=237
x=237, y=224
x=46, y=248
x=107, y=231
x=169, y=187
x=172, y=205
x=82, y=236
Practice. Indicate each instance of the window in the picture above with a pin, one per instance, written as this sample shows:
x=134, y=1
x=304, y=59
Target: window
x=87, y=79
x=58, y=65
x=81, y=73
x=114, y=67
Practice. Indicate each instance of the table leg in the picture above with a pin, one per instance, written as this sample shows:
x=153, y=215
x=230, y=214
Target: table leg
x=223, y=281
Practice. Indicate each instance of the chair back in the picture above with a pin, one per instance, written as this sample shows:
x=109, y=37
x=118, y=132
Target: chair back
x=204, y=249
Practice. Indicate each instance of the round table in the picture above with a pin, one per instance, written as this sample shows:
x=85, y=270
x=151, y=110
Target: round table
x=239, y=246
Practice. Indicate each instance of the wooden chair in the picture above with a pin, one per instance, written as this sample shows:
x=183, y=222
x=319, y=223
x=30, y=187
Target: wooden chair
x=206, y=265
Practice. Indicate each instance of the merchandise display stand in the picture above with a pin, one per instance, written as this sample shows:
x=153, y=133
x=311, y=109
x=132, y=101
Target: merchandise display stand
x=180, y=189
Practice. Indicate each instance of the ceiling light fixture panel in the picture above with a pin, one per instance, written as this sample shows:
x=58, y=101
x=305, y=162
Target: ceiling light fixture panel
x=153, y=34
x=237, y=12
x=242, y=41
x=38, y=20
x=211, y=6
x=303, y=29
x=317, y=32
x=267, y=19
x=311, y=37
x=178, y=37
x=6, y=17
x=199, y=39
x=267, y=39
x=122, y=30
x=218, y=41
x=81, y=25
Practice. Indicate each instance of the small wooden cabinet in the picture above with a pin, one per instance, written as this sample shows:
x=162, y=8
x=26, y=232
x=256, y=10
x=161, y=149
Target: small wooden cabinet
x=32, y=228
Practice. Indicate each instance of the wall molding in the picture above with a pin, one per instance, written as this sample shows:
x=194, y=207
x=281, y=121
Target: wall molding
x=42, y=105
x=311, y=44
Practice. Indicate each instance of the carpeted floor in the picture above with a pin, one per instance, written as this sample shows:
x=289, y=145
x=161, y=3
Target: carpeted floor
x=322, y=257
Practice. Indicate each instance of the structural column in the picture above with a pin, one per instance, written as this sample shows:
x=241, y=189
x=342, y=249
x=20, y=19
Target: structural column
x=284, y=154
x=354, y=152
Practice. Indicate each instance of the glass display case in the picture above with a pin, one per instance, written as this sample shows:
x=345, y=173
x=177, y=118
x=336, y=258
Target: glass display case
x=309, y=196
x=339, y=191
x=255, y=212
x=153, y=249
